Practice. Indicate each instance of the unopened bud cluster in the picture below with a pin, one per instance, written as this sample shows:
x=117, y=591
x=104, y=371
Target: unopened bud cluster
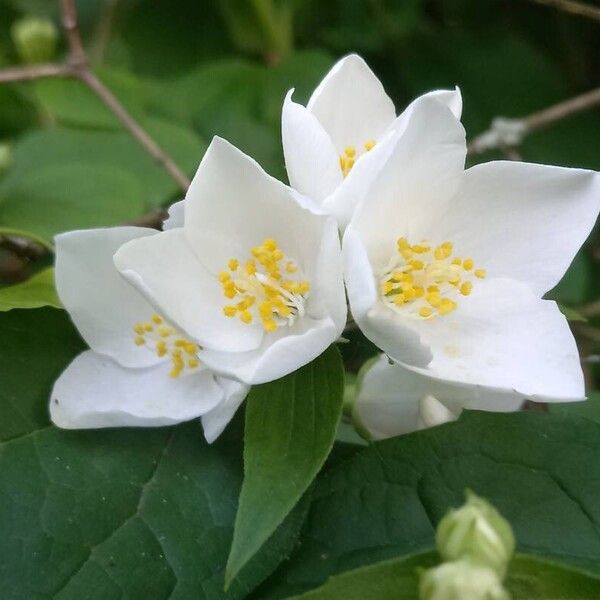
x=34, y=39
x=477, y=544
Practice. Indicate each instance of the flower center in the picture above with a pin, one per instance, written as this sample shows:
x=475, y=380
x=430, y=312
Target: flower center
x=424, y=281
x=262, y=290
x=166, y=340
x=349, y=156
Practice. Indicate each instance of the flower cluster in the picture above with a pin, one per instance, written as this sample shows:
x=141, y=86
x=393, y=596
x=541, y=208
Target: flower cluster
x=444, y=269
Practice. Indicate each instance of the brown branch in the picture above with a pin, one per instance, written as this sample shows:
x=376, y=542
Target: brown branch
x=77, y=56
x=508, y=133
x=575, y=8
x=35, y=72
x=77, y=66
x=134, y=128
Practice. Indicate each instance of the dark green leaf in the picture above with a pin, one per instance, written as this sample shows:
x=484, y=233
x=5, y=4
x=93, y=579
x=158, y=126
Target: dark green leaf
x=110, y=513
x=528, y=577
x=290, y=429
x=541, y=472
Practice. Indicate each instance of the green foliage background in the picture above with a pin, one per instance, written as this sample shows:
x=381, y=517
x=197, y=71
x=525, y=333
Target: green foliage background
x=139, y=514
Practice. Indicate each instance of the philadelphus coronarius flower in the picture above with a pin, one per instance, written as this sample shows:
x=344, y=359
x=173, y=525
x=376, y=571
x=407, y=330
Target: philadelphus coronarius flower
x=445, y=268
x=335, y=145
x=133, y=373
x=392, y=400
x=252, y=277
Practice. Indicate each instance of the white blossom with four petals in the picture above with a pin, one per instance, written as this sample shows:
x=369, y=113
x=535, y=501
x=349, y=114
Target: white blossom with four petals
x=445, y=268
x=119, y=382
x=252, y=277
x=335, y=145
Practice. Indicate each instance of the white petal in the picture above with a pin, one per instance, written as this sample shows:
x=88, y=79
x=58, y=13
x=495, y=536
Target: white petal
x=522, y=221
x=381, y=325
x=432, y=413
x=283, y=352
x=311, y=160
x=505, y=338
x=175, y=218
x=351, y=104
x=357, y=184
x=166, y=270
x=94, y=392
x=233, y=205
x=328, y=297
x=103, y=306
x=215, y=420
x=389, y=399
x=424, y=169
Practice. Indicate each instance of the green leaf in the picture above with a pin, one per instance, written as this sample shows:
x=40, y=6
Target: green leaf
x=59, y=198
x=398, y=579
x=571, y=314
x=537, y=579
x=395, y=579
x=290, y=429
x=36, y=292
x=71, y=102
x=590, y=408
x=540, y=471
x=94, y=149
x=574, y=286
x=116, y=513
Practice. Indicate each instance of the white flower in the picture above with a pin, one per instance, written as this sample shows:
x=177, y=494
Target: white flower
x=335, y=145
x=392, y=400
x=141, y=370
x=252, y=277
x=445, y=268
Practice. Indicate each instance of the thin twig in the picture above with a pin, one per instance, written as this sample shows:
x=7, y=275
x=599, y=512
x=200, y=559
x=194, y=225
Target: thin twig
x=508, y=133
x=77, y=56
x=35, y=72
x=575, y=8
x=134, y=128
x=77, y=66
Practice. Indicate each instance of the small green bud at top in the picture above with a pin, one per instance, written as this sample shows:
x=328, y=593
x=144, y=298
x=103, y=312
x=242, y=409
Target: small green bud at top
x=5, y=157
x=34, y=39
x=476, y=531
x=461, y=580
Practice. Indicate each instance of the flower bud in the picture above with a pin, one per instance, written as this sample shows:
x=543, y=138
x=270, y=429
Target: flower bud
x=476, y=531
x=34, y=39
x=5, y=157
x=461, y=580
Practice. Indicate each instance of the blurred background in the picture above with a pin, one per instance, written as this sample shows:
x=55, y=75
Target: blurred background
x=190, y=69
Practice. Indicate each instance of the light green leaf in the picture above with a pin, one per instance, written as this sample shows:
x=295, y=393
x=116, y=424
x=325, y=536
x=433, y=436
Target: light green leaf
x=529, y=577
x=62, y=147
x=36, y=292
x=540, y=471
x=290, y=429
x=71, y=102
x=121, y=513
x=57, y=198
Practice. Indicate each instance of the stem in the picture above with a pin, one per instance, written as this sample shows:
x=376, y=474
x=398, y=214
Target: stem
x=508, y=133
x=134, y=128
x=78, y=67
x=575, y=8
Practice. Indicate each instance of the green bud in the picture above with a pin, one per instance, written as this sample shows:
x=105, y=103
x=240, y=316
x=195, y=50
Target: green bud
x=35, y=39
x=5, y=157
x=476, y=531
x=461, y=580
